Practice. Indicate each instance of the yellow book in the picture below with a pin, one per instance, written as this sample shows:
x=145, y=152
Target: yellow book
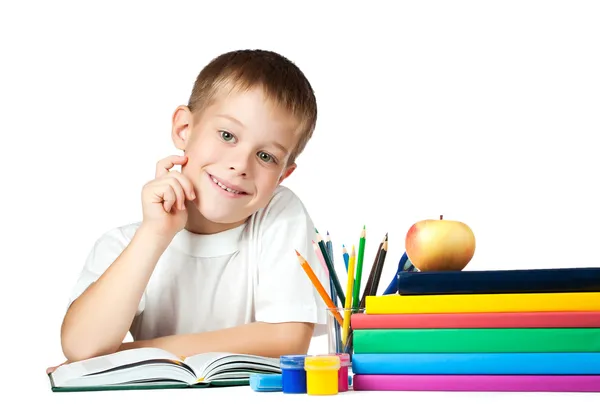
x=477, y=303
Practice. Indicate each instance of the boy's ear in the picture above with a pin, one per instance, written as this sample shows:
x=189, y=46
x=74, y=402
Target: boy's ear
x=180, y=128
x=289, y=170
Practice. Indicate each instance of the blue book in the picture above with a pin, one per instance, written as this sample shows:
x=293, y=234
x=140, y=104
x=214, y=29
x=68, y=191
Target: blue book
x=585, y=279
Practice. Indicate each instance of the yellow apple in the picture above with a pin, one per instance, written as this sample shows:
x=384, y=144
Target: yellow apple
x=440, y=245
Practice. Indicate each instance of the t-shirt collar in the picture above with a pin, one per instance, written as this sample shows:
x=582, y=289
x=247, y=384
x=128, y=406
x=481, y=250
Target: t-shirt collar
x=209, y=245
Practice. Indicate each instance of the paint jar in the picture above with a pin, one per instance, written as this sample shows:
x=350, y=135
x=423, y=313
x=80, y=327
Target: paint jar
x=293, y=374
x=322, y=374
x=343, y=375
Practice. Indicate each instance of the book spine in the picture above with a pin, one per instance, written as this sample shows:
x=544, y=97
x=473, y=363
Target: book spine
x=525, y=302
x=485, y=383
x=477, y=320
x=574, y=363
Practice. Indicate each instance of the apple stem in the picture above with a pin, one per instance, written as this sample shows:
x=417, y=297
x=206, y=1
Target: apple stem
x=441, y=216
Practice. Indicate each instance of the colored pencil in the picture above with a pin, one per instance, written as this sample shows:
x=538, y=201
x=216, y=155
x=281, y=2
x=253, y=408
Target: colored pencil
x=329, y=247
x=315, y=281
x=372, y=274
x=378, y=270
x=359, y=268
x=348, y=304
x=334, y=298
x=332, y=273
x=345, y=255
x=321, y=258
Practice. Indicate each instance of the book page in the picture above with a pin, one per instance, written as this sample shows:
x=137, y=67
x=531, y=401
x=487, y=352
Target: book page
x=206, y=364
x=102, y=363
x=199, y=363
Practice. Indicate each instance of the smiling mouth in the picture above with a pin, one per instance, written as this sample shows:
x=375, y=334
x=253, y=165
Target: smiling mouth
x=225, y=188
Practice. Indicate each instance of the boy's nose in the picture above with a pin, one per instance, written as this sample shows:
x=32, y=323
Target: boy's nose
x=241, y=172
x=240, y=164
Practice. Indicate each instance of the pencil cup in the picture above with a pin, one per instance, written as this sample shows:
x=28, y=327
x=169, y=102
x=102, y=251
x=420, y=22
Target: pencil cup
x=339, y=336
x=322, y=374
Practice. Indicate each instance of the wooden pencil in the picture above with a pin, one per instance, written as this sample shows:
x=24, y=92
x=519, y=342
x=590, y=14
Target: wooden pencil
x=334, y=298
x=345, y=256
x=372, y=274
x=379, y=269
x=359, y=268
x=329, y=246
x=332, y=273
x=348, y=304
x=317, y=284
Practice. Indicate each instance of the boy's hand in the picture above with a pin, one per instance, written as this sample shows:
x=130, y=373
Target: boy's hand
x=50, y=370
x=163, y=199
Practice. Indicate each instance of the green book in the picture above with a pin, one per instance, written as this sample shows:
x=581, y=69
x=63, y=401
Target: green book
x=478, y=340
x=152, y=368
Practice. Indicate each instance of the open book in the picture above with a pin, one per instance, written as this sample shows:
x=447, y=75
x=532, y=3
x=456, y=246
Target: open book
x=156, y=368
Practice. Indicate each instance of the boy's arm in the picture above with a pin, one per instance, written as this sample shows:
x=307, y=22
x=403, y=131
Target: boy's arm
x=287, y=307
x=258, y=338
x=98, y=320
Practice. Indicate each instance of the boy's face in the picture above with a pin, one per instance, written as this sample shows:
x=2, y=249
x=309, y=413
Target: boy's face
x=237, y=151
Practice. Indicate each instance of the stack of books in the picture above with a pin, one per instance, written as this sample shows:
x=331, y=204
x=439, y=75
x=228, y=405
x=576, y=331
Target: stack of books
x=513, y=330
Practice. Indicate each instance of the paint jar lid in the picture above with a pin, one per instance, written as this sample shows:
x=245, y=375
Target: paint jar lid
x=344, y=359
x=322, y=362
x=292, y=361
x=266, y=382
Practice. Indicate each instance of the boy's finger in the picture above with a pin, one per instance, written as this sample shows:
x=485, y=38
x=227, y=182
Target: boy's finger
x=167, y=197
x=179, y=194
x=185, y=183
x=163, y=166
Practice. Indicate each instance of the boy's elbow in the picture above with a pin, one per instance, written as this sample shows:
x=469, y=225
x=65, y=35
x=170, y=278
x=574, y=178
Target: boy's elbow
x=79, y=349
x=294, y=338
x=77, y=346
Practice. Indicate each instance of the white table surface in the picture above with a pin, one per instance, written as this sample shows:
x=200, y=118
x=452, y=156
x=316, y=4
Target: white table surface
x=244, y=399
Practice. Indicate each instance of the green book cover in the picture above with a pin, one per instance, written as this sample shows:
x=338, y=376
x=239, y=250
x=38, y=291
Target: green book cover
x=152, y=368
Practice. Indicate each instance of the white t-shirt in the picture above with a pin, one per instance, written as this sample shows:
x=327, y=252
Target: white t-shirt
x=209, y=282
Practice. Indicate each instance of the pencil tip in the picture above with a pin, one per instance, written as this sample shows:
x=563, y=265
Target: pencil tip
x=328, y=232
x=317, y=231
x=298, y=254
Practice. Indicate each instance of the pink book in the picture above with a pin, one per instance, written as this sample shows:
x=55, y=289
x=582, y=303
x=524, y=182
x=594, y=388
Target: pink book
x=489, y=383
x=477, y=320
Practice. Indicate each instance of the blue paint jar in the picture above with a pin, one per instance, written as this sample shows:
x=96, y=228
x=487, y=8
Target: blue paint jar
x=293, y=375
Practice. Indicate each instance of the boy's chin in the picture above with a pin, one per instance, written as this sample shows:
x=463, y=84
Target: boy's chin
x=219, y=216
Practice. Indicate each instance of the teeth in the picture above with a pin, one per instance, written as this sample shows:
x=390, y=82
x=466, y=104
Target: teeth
x=224, y=187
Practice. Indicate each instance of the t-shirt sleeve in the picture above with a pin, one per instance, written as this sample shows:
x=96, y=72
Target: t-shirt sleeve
x=284, y=292
x=104, y=252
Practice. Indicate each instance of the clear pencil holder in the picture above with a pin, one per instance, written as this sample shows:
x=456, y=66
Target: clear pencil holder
x=339, y=335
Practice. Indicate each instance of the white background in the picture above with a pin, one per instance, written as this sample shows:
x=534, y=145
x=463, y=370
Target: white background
x=485, y=112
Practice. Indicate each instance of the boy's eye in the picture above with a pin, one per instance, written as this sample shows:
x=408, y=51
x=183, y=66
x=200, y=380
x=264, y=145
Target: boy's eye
x=265, y=157
x=226, y=136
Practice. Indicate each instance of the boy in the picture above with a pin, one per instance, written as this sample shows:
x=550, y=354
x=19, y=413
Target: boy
x=212, y=266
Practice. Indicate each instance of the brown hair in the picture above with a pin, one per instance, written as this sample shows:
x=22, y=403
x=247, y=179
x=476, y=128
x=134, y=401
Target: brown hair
x=282, y=81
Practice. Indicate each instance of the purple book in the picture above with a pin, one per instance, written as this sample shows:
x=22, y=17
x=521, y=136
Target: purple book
x=490, y=383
